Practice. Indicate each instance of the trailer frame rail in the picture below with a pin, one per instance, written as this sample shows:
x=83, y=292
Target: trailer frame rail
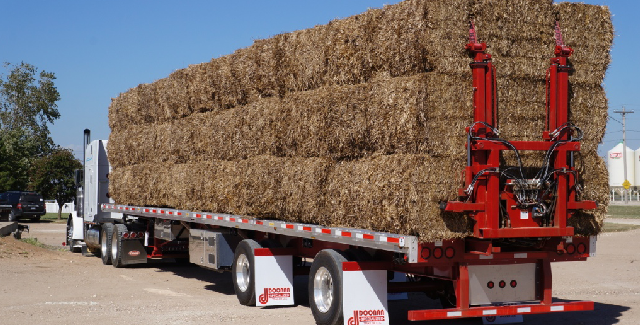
x=350, y=236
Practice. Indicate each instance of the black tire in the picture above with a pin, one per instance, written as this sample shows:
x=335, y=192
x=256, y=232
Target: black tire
x=326, y=276
x=116, y=245
x=70, y=237
x=106, y=234
x=448, y=297
x=12, y=217
x=243, y=272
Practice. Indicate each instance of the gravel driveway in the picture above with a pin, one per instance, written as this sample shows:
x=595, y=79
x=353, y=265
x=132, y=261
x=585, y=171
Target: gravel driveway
x=41, y=286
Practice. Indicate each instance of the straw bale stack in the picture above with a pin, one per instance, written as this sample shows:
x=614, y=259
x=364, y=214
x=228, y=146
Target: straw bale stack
x=359, y=122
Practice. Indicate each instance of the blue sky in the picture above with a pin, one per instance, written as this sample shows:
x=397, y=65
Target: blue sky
x=98, y=49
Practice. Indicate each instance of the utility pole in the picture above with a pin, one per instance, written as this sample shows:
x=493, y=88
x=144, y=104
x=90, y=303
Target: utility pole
x=624, y=113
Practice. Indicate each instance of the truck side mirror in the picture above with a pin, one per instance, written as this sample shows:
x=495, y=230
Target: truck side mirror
x=78, y=177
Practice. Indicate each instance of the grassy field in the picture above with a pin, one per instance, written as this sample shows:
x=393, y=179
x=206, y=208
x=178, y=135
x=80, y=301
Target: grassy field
x=624, y=211
x=54, y=217
x=618, y=227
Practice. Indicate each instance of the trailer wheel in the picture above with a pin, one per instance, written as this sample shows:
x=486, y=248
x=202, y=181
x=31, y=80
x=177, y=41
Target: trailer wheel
x=325, y=287
x=243, y=272
x=106, y=234
x=116, y=245
x=12, y=217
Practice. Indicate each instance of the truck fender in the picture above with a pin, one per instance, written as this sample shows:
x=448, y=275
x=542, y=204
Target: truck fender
x=78, y=226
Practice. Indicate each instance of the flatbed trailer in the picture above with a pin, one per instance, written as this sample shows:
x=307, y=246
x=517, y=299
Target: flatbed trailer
x=503, y=269
x=458, y=271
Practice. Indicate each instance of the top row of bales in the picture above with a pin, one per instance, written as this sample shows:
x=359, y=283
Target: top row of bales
x=413, y=37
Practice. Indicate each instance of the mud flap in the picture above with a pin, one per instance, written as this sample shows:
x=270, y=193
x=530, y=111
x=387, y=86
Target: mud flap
x=364, y=294
x=133, y=252
x=274, y=277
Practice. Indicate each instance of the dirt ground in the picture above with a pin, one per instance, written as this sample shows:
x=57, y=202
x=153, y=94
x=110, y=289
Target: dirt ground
x=45, y=286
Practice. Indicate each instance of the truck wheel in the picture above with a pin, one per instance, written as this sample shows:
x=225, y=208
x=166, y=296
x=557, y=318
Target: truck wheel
x=106, y=234
x=243, y=272
x=325, y=287
x=70, y=237
x=116, y=245
x=12, y=217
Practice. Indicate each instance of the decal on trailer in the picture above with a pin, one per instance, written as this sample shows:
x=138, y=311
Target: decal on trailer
x=362, y=317
x=274, y=294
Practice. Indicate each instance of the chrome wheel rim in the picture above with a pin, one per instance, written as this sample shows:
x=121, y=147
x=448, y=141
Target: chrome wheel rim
x=323, y=289
x=103, y=243
x=69, y=235
x=243, y=273
x=114, y=247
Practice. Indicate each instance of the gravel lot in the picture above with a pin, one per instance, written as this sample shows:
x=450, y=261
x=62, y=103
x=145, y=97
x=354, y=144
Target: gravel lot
x=44, y=286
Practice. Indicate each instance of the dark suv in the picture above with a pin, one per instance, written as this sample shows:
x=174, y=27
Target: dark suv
x=24, y=205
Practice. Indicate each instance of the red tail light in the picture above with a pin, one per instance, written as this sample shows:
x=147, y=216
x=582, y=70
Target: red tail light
x=141, y=234
x=125, y=235
x=134, y=235
x=19, y=206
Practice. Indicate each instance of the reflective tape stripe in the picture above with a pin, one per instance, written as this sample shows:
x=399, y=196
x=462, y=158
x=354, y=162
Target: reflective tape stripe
x=490, y=312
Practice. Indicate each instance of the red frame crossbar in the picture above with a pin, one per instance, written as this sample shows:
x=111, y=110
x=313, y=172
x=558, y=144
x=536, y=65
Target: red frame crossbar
x=525, y=309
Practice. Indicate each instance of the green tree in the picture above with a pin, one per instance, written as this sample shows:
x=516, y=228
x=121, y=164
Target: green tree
x=53, y=176
x=14, y=160
x=27, y=105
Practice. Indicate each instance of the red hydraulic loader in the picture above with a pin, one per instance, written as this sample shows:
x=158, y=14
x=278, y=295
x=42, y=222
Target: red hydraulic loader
x=511, y=211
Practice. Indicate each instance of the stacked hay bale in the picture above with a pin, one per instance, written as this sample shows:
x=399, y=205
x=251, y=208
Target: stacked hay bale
x=356, y=123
